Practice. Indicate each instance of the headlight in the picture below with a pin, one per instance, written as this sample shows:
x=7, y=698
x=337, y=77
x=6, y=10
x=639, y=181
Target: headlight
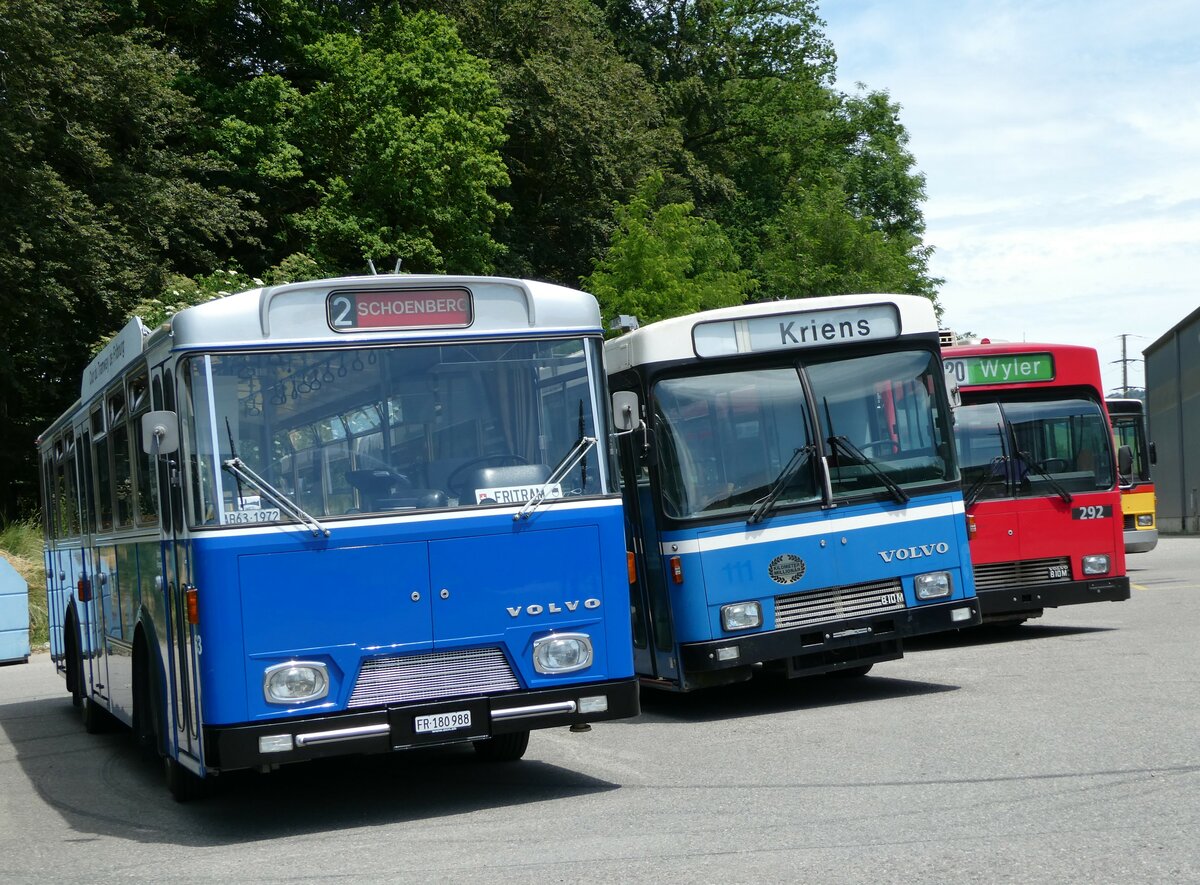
x=935, y=585
x=562, y=653
x=1096, y=564
x=741, y=616
x=1145, y=519
x=295, y=681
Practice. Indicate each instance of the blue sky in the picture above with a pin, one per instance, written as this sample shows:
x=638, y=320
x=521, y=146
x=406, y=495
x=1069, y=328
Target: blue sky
x=1060, y=141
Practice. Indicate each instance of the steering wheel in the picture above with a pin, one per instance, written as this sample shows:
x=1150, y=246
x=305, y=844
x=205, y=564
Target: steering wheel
x=868, y=448
x=497, y=460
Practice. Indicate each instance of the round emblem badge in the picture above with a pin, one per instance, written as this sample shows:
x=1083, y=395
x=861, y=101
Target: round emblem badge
x=787, y=568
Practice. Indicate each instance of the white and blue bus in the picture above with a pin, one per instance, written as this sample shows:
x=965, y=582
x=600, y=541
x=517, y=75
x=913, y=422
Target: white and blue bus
x=345, y=516
x=790, y=487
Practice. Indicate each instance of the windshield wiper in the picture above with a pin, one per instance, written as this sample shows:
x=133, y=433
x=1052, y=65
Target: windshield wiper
x=1034, y=467
x=995, y=473
x=582, y=446
x=841, y=442
x=762, y=507
x=242, y=473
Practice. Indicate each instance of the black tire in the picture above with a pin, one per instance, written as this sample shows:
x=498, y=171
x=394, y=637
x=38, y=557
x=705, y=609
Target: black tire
x=145, y=733
x=96, y=720
x=852, y=672
x=182, y=784
x=73, y=662
x=503, y=747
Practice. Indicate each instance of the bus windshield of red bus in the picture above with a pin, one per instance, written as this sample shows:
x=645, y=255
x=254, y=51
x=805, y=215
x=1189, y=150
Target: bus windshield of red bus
x=1033, y=447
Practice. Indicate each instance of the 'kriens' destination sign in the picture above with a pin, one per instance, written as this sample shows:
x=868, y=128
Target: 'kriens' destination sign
x=352, y=311
x=800, y=329
x=1015, y=368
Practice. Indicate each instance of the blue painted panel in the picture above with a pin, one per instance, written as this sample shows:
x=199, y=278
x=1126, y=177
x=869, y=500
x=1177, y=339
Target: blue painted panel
x=841, y=546
x=271, y=596
x=511, y=588
x=14, y=614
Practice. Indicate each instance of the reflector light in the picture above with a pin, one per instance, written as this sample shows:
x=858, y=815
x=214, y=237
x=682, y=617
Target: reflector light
x=274, y=743
x=83, y=590
x=193, y=605
x=629, y=560
x=594, y=704
x=971, y=527
x=676, y=570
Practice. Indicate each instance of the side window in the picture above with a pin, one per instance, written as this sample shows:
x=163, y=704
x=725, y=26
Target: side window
x=122, y=474
x=103, y=471
x=72, y=484
x=143, y=462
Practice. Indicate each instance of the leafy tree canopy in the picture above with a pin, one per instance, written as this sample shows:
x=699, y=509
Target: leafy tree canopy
x=665, y=261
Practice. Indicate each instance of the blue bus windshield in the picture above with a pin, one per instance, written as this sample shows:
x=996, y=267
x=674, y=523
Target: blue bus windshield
x=370, y=430
x=726, y=437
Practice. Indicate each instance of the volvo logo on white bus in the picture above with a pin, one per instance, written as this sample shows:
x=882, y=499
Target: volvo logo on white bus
x=553, y=608
x=915, y=552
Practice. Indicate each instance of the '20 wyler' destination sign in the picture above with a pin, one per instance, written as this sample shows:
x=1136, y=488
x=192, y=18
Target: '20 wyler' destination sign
x=1016, y=368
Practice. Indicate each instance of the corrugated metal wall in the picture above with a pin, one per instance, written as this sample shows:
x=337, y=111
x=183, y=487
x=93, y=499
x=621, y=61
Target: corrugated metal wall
x=1173, y=409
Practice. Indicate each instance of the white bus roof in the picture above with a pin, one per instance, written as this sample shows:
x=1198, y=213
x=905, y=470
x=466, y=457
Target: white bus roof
x=308, y=313
x=796, y=324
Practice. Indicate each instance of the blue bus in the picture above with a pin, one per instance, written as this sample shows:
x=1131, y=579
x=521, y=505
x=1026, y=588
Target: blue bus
x=354, y=515
x=791, y=488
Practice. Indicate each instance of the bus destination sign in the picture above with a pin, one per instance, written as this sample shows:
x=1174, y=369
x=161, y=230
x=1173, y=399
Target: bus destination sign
x=1015, y=368
x=381, y=309
x=800, y=329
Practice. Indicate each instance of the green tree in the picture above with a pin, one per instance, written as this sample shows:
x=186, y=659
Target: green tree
x=665, y=261
x=103, y=189
x=818, y=245
x=584, y=127
x=401, y=141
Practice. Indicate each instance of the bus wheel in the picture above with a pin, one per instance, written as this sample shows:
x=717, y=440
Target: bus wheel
x=852, y=672
x=96, y=719
x=183, y=785
x=503, y=747
x=74, y=665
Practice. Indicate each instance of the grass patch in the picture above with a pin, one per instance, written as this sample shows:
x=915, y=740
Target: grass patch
x=21, y=545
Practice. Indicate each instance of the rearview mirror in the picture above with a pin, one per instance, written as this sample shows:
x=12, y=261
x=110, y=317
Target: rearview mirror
x=160, y=433
x=1125, y=462
x=627, y=411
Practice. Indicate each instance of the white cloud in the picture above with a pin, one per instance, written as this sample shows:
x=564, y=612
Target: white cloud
x=1059, y=142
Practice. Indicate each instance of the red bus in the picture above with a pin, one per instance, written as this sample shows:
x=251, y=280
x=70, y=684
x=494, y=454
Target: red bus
x=1039, y=478
x=1137, y=486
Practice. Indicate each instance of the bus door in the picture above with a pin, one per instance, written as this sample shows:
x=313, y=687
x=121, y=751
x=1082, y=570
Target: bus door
x=654, y=654
x=172, y=583
x=85, y=576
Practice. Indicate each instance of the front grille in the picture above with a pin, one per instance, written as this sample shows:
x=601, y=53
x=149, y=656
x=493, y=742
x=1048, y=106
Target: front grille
x=397, y=679
x=1013, y=575
x=838, y=603
x=1130, y=522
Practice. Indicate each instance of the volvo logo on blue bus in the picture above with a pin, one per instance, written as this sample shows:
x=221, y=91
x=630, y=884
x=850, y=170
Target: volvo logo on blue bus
x=553, y=608
x=787, y=568
x=915, y=552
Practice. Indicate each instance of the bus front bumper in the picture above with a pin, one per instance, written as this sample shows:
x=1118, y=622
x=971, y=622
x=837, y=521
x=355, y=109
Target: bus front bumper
x=825, y=648
x=1008, y=602
x=1140, y=540
x=381, y=730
